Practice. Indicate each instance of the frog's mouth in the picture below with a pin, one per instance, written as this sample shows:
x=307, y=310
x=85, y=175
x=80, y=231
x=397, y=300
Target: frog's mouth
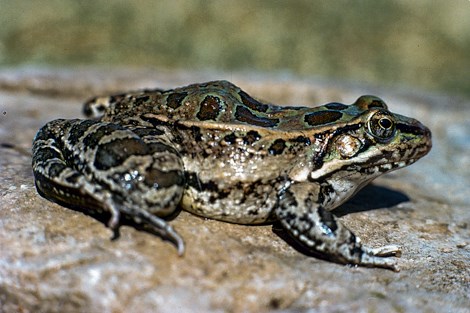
x=407, y=157
x=372, y=166
x=405, y=153
x=383, y=168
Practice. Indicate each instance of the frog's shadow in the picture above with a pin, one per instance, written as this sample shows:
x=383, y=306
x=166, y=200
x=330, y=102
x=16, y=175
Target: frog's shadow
x=371, y=197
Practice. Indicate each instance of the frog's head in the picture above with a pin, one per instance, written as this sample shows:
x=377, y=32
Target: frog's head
x=369, y=141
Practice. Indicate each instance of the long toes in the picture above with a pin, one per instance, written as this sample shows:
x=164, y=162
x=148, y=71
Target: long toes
x=162, y=228
x=379, y=261
x=179, y=243
x=385, y=251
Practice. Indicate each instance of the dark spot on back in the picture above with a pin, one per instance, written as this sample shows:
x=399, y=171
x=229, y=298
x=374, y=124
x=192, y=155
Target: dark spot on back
x=115, y=152
x=252, y=103
x=277, y=147
x=336, y=106
x=175, y=100
x=209, y=109
x=322, y=117
x=246, y=116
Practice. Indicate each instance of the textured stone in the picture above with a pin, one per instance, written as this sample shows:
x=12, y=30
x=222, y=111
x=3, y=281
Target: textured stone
x=53, y=259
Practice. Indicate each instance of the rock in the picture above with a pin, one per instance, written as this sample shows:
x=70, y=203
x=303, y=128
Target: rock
x=54, y=259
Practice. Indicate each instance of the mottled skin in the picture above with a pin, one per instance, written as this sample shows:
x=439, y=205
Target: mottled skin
x=216, y=152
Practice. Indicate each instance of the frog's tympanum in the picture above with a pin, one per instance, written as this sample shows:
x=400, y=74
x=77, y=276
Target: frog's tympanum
x=214, y=151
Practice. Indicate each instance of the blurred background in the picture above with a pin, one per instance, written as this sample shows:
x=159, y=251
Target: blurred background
x=420, y=44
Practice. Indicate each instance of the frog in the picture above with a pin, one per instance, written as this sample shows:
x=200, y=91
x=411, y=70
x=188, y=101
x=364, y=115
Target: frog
x=213, y=150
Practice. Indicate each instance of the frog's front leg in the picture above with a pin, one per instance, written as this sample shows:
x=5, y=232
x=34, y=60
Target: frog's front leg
x=302, y=215
x=106, y=168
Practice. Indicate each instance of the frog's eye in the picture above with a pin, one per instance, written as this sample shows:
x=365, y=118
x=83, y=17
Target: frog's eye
x=381, y=125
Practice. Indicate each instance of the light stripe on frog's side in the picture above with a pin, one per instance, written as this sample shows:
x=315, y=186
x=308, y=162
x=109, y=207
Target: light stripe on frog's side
x=217, y=152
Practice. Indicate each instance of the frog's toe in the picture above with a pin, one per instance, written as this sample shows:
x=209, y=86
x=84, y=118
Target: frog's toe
x=171, y=235
x=380, y=257
x=386, y=251
x=379, y=261
x=179, y=244
x=113, y=222
x=159, y=227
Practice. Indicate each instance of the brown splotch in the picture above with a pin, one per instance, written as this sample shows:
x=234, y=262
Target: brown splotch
x=175, y=100
x=322, y=117
x=336, y=106
x=252, y=103
x=246, y=116
x=209, y=109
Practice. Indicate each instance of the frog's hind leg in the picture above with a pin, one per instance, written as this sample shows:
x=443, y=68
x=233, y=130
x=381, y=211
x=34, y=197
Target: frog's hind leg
x=63, y=180
x=321, y=233
x=59, y=181
x=55, y=179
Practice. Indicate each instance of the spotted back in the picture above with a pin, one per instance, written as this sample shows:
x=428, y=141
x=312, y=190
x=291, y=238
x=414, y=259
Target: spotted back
x=222, y=104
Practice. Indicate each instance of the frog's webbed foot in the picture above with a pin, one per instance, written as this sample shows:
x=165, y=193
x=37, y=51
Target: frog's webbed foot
x=321, y=233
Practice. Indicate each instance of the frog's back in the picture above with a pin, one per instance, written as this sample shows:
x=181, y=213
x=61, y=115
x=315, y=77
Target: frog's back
x=218, y=104
x=222, y=103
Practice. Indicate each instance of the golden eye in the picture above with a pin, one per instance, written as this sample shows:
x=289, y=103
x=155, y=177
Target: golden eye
x=381, y=125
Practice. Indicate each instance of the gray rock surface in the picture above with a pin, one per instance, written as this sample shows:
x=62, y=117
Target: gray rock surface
x=53, y=259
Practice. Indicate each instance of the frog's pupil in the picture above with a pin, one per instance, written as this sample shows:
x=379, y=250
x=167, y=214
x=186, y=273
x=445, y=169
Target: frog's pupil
x=385, y=123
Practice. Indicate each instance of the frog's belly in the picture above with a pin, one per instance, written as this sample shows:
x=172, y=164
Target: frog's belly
x=238, y=206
